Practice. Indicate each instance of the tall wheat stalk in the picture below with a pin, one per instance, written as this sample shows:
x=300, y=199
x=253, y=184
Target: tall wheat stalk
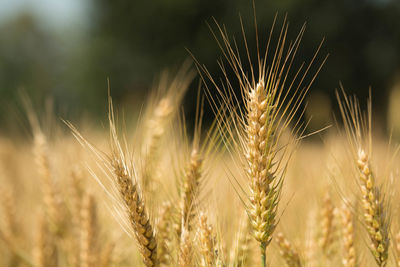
x=271, y=103
x=376, y=208
x=161, y=109
x=120, y=169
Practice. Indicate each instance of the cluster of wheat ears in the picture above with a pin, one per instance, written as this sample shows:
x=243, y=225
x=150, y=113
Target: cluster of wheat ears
x=243, y=192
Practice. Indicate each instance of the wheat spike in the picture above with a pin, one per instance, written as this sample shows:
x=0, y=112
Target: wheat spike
x=190, y=190
x=88, y=251
x=188, y=204
x=185, y=258
x=162, y=107
x=137, y=214
x=49, y=194
x=164, y=235
x=241, y=252
x=259, y=157
x=311, y=246
x=10, y=214
x=208, y=248
x=256, y=130
x=326, y=239
x=156, y=130
x=349, y=251
x=10, y=233
x=45, y=253
x=121, y=170
x=376, y=212
x=287, y=251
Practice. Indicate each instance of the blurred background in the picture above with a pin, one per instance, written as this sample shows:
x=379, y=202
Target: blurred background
x=66, y=49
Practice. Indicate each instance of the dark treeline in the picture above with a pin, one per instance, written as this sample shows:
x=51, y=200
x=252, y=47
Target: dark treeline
x=131, y=42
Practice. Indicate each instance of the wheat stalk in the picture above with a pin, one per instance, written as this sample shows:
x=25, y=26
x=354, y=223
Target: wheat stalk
x=376, y=212
x=270, y=105
x=161, y=109
x=119, y=166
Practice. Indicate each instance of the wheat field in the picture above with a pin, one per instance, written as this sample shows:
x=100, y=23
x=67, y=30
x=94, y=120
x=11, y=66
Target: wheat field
x=252, y=188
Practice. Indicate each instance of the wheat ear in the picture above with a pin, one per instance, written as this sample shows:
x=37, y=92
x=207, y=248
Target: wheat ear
x=8, y=202
x=208, y=247
x=327, y=225
x=120, y=168
x=376, y=211
x=185, y=258
x=137, y=214
x=287, y=251
x=45, y=253
x=88, y=232
x=11, y=232
x=49, y=195
x=270, y=105
x=241, y=252
x=164, y=235
x=162, y=106
x=156, y=130
x=349, y=251
x=190, y=190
